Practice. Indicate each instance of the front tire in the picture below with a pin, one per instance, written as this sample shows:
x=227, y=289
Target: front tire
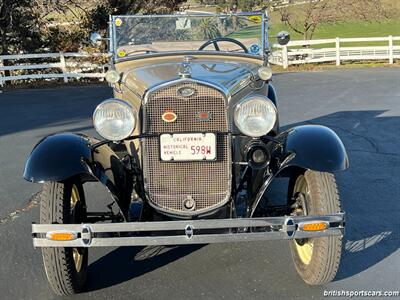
x=66, y=268
x=316, y=259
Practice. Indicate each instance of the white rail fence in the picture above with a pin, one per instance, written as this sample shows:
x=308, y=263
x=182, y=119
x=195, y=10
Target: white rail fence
x=302, y=52
x=70, y=65
x=57, y=65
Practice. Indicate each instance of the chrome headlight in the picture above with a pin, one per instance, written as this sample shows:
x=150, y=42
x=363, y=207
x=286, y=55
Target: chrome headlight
x=114, y=119
x=112, y=76
x=265, y=73
x=255, y=116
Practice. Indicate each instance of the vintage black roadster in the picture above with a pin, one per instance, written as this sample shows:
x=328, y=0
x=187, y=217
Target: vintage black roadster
x=191, y=144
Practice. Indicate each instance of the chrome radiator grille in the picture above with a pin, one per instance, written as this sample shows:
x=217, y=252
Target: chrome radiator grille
x=169, y=184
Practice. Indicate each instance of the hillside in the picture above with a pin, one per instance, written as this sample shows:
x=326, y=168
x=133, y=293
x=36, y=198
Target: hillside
x=349, y=27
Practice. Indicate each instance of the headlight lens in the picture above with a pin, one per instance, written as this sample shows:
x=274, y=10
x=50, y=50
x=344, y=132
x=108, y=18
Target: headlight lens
x=265, y=73
x=112, y=76
x=255, y=116
x=114, y=119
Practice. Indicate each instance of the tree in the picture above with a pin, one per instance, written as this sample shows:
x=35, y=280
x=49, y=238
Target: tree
x=208, y=29
x=64, y=25
x=97, y=17
x=248, y=5
x=20, y=26
x=317, y=12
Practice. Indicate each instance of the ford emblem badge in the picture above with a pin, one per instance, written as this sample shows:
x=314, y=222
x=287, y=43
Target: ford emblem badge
x=186, y=92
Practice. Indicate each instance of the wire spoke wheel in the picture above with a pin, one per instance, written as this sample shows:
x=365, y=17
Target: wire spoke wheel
x=66, y=268
x=315, y=193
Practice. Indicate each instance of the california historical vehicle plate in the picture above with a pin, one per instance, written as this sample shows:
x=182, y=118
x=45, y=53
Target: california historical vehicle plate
x=188, y=146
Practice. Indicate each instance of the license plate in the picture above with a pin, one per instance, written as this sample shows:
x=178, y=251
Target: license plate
x=188, y=147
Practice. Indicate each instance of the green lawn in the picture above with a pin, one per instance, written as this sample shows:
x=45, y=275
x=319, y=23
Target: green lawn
x=329, y=31
x=248, y=32
x=348, y=30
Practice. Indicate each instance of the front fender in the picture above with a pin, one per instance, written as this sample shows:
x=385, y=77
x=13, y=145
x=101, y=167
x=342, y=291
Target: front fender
x=58, y=157
x=314, y=147
x=61, y=156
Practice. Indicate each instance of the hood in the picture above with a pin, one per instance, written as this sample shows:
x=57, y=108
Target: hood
x=230, y=76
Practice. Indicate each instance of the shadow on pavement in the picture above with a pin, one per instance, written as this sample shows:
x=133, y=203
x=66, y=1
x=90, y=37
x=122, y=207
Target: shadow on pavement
x=126, y=263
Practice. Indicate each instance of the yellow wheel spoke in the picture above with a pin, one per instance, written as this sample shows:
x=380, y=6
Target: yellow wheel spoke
x=74, y=196
x=304, y=248
x=305, y=251
x=78, y=257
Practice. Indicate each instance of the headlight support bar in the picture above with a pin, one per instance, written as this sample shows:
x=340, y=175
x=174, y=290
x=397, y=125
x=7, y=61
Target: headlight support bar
x=145, y=135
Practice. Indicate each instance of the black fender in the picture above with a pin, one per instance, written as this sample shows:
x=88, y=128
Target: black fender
x=274, y=98
x=59, y=157
x=272, y=94
x=313, y=147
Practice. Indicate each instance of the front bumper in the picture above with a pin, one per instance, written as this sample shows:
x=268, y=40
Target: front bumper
x=186, y=232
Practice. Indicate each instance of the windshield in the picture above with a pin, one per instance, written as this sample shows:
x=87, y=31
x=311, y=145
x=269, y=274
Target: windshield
x=145, y=34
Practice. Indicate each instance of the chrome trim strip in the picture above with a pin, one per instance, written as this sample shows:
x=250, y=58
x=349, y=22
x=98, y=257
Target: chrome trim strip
x=281, y=228
x=187, y=52
x=257, y=13
x=264, y=20
x=114, y=35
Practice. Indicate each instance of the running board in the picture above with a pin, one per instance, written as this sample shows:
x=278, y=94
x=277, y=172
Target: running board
x=186, y=232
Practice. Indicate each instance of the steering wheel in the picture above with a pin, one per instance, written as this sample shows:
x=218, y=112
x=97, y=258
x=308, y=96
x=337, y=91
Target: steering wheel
x=223, y=39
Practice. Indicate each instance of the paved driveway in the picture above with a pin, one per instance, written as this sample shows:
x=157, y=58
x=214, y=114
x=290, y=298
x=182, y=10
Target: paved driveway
x=362, y=106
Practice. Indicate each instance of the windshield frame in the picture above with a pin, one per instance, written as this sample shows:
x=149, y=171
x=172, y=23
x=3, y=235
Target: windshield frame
x=264, y=39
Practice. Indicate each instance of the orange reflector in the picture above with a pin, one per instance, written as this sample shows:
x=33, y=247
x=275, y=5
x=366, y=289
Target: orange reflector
x=169, y=116
x=61, y=236
x=314, y=226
